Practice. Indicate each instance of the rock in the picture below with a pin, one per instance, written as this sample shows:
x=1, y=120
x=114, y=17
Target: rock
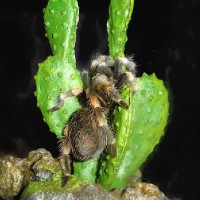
x=16, y=173
x=41, y=174
x=141, y=191
x=89, y=192
x=11, y=176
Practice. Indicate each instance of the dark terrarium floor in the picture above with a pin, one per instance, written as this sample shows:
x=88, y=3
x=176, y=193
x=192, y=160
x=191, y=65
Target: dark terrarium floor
x=164, y=38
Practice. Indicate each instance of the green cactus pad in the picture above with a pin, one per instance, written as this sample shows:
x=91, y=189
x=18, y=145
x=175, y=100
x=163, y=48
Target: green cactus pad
x=58, y=73
x=120, y=12
x=137, y=130
x=55, y=76
x=86, y=169
x=61, y=18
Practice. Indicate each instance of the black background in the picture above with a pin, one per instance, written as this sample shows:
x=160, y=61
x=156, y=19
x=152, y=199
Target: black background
x=164, y=38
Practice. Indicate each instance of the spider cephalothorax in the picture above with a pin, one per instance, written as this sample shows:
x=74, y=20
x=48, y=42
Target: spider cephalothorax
x=88, y=132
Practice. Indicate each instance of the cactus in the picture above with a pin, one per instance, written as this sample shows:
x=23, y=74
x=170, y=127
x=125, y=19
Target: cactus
x=120, y=12
x=58, y=72
x=138, y=130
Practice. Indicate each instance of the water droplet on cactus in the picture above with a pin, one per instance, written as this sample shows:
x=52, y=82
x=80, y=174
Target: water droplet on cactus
x=47, y=23
x=54, y=35
x=136, y=147
x=103, y=164
x=119, y=40
x=117, y=124
x=74, y=10
x=73, y=76
x=118, y=12
x=126, y=13
x=140, y=132
x=150, y=98
x=64, y=111
x=64, y=25
x=54, y=47
x=59, y=124
x=59, y=74
x=143, y=92
x=52, y=11
x=63, y=12
x=160, y=92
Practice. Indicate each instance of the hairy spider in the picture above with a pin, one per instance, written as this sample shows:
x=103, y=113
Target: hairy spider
x=88, y=132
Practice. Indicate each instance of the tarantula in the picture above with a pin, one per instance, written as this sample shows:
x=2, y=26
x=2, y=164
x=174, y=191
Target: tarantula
x=88, y=132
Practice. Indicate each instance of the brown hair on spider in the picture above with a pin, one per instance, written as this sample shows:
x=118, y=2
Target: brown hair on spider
x=88, y=132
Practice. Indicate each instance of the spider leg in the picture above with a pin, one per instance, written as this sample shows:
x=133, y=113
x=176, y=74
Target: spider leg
x=118, y=70
x=111, y=143
x=61, y=98
x=86, y=79
x=114, y=94
x=65, y=160
x=122, y=79
x=107, y=135
x=102, y=60
x=127, y=76
x=128, y=63
x=102, y=64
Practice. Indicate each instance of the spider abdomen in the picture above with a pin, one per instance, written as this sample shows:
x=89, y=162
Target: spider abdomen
x=87, y=133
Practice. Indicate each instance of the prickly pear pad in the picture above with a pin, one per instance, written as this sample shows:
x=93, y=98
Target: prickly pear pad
x=54, y=76
x=138, y=130
x=58, y=73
